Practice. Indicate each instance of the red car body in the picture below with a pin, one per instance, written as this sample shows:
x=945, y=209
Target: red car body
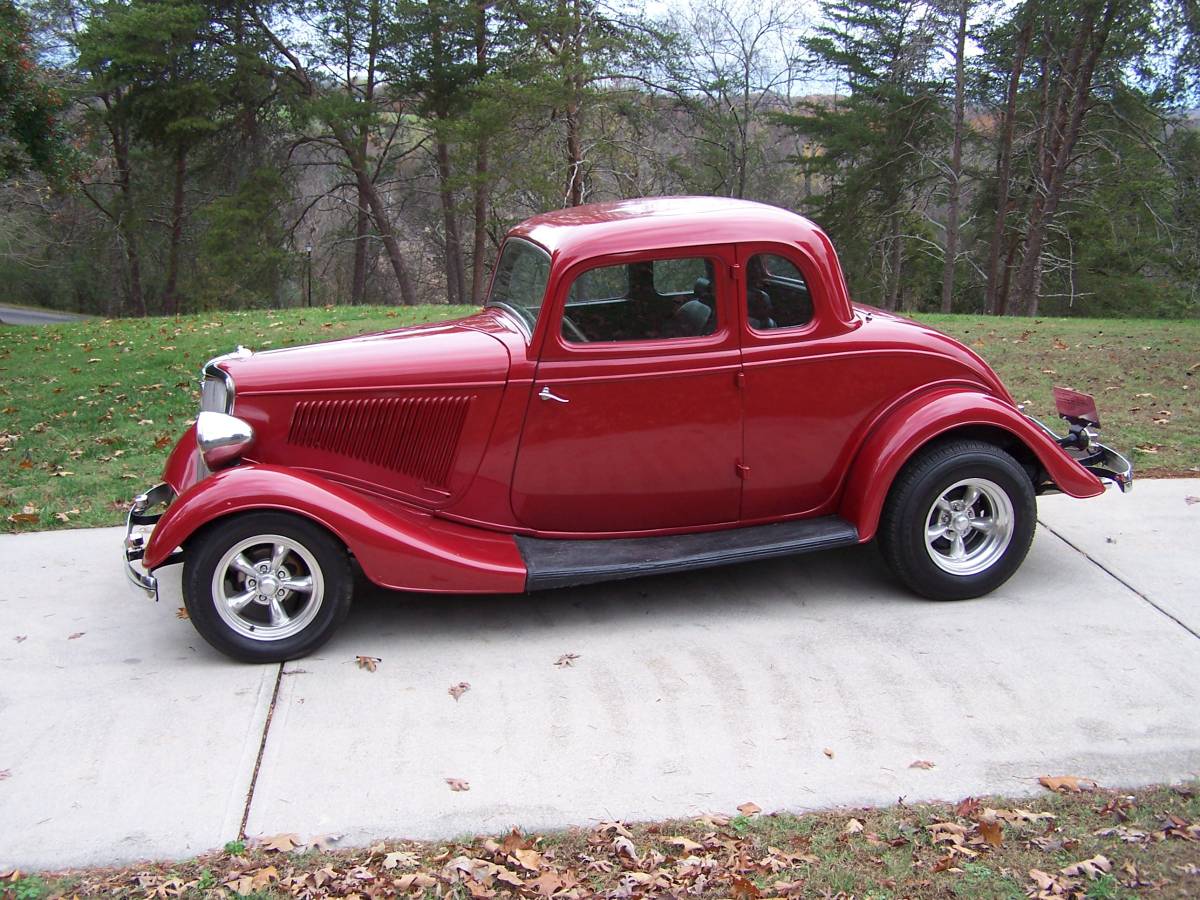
x=431, y=451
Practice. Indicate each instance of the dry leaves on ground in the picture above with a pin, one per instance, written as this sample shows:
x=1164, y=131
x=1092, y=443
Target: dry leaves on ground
x=1064, y=784
x=370, y=663
x=749, y=808
x=457, y=690
x=457, y=784
x=567, y=659
x=921, y=764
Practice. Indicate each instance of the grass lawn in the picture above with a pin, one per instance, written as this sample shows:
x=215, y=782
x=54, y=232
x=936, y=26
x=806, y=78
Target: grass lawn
x=1100, y=844
x=89, y=410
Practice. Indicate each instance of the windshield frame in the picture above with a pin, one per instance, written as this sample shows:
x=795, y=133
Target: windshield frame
x=524, y=317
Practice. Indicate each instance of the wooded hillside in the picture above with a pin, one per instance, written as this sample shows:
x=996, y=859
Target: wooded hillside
x=164, y=156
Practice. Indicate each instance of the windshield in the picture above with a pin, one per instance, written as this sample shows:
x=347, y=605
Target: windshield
x=520, y=280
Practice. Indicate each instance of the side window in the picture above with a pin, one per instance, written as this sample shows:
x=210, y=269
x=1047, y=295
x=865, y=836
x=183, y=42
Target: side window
x=640, y=301
x=776, y=294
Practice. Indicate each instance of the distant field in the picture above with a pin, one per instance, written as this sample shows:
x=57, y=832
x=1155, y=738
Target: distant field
x=88, y=410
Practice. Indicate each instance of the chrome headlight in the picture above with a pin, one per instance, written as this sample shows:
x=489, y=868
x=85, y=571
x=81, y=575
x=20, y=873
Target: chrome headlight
x=216, y=385
x=215, y=391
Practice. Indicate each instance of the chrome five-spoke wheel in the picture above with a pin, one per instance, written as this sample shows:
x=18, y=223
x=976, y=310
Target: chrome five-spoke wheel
x=958, y=520
x=969, y=526
x=268, y=587
x=265, y=586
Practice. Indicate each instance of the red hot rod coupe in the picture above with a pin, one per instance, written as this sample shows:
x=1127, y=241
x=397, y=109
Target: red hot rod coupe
x=652, y=386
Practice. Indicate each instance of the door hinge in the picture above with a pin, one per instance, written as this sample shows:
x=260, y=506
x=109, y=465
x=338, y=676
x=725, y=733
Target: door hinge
x=739, y=379
x=743, y=470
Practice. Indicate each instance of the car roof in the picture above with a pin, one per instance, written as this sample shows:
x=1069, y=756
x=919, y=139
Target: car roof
x=654, y=222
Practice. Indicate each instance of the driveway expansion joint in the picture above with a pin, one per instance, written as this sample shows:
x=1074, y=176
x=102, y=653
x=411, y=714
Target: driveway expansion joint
x=1109, y=572
x=262, y=746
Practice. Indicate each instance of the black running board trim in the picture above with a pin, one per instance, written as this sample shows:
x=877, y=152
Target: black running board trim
x=565, y=563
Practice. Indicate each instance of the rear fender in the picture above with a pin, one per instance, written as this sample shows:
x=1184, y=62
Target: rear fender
x=918, y=420
x=398, y=547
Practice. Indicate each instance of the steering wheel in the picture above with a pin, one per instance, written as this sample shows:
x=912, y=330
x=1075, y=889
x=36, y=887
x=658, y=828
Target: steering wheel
x=576, y=334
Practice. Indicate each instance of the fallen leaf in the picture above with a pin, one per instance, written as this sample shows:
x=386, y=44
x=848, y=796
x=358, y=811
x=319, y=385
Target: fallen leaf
x=624, y=846
x=853, y=827
x=687, y=845
x=743, y=889
x=567, y=659
x=325, y=841
x=921, y=764
x=528, y=858
x=21, y=638
x=828, y=753
x=992, y=832
x=370, y=663
x=944, y=863
x=182, y=613
x=457, y=784
x=77, y=634
x=415, y=881
x=749, y=808
x=399, y=858
x=1093, y=868
x=1191, y=501
x=281, y=843
x=1066, y=784
x=457, y=690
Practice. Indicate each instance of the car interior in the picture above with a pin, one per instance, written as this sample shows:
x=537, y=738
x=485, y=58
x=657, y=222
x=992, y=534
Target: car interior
x=675, y=298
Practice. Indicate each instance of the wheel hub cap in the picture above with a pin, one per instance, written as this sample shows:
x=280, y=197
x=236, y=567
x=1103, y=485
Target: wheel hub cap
x=969, y=526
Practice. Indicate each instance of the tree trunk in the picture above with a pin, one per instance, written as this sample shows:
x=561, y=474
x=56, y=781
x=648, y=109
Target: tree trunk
x=170, y=296
x=1074, y=93
x=574, y=196
x=120, y=145
x=383, y=225
x=952, y=201
x=895, y=262
x=480, y=212
x=362, y=224
x=455, y=282
x=1004, y=166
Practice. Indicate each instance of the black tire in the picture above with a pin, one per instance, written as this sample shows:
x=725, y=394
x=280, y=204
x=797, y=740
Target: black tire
x=253, y=632
x=998, y=479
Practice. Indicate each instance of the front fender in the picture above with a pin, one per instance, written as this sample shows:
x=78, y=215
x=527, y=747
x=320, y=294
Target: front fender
x=398, y=547
x=919, y=420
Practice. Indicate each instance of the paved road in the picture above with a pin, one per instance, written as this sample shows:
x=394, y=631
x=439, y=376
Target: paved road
x=15, y=315
x=124, y=736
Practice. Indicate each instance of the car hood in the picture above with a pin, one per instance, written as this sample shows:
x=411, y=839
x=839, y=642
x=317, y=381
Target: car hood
x=459, y=352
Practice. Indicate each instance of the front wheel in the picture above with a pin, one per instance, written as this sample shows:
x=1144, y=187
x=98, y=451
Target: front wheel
x=266, y=586
x=958, y=521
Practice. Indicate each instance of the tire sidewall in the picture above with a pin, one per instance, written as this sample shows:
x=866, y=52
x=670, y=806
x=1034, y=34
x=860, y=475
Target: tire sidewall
x=205, y=551
x=992, y=464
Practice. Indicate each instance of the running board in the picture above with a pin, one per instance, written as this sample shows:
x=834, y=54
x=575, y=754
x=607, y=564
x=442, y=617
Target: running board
x=564, y=563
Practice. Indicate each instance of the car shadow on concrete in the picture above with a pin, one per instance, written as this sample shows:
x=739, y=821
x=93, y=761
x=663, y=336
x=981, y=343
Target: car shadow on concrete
x=818, y=583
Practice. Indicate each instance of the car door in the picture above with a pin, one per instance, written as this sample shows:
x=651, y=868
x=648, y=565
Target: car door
x=803, y=393
x=634, y=419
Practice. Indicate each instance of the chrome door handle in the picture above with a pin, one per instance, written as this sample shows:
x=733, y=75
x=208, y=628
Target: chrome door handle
x=547, y=394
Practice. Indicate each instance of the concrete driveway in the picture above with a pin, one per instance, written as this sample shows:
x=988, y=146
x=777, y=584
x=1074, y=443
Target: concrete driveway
x=799, y=683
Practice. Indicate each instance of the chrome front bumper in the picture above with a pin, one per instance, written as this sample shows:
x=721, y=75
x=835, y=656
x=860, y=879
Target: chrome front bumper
x=139, y=523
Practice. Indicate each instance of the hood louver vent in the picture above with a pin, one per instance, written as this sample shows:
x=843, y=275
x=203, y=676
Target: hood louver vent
x=417, y=436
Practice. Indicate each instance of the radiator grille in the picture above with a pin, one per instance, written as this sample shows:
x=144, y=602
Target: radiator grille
x=417, y=436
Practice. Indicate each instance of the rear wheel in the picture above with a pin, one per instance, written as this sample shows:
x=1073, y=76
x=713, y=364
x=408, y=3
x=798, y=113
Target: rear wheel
x=266, y=586
x=958, y=521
